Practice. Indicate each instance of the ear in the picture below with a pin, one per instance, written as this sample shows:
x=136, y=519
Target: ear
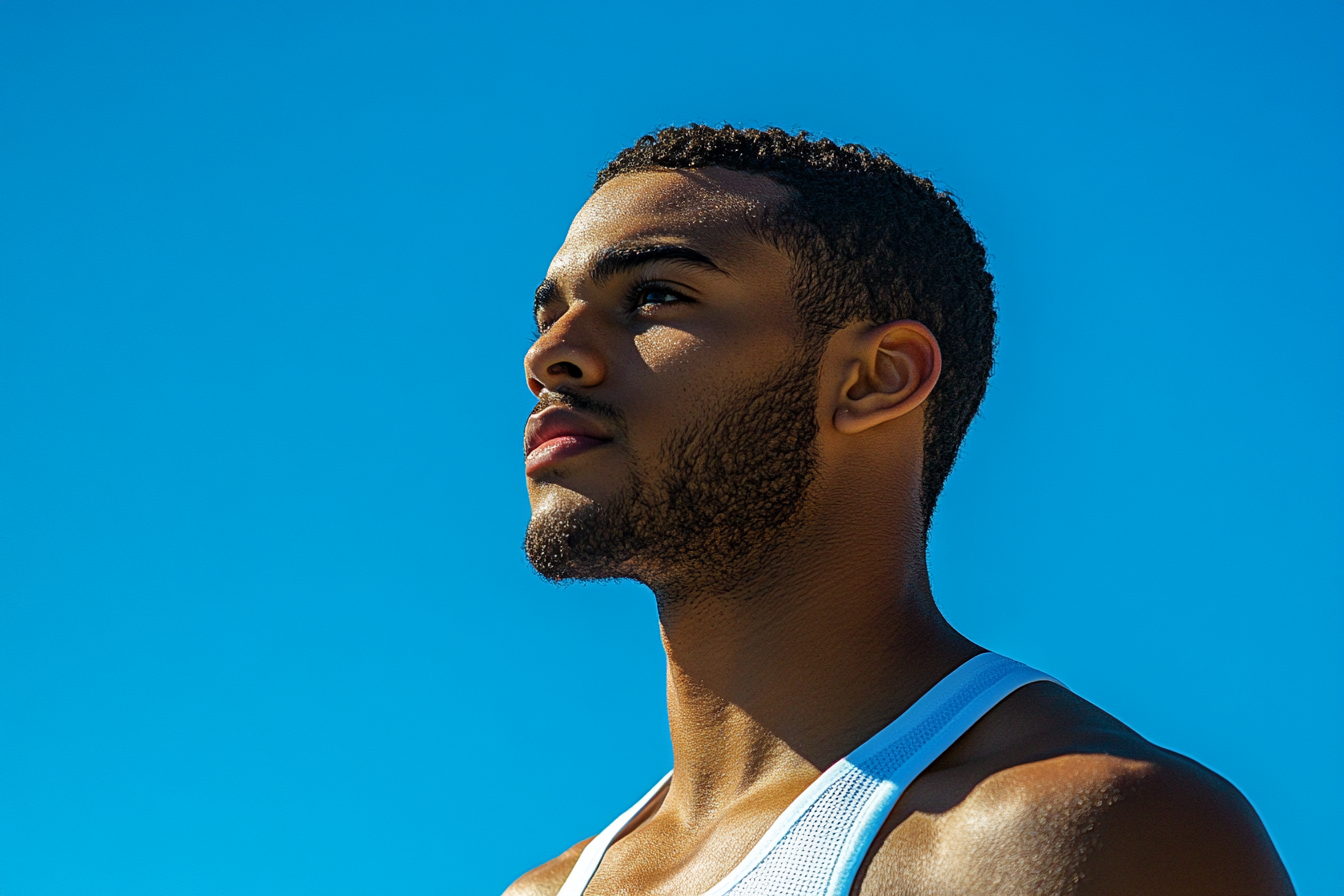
x=891, y=369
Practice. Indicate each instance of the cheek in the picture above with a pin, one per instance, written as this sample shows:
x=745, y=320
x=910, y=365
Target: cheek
x=677, y=381
x=663, y=348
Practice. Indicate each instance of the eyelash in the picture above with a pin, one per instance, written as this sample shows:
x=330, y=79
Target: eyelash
x=632, y=300
x=642, y=288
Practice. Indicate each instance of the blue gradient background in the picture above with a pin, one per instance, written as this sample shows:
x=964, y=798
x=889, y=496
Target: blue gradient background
x=264, y=288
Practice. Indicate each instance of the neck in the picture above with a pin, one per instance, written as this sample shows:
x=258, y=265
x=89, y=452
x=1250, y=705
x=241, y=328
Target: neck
x=777, y=680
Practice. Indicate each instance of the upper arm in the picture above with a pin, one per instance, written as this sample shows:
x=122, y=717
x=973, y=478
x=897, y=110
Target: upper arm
x=1180, y=829
x=547, y=879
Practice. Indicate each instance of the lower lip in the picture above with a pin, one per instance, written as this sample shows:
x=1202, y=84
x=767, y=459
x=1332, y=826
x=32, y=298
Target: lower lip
x=561, y=448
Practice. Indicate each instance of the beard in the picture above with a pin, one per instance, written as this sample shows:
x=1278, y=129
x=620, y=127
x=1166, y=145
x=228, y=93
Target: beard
x=733, y=493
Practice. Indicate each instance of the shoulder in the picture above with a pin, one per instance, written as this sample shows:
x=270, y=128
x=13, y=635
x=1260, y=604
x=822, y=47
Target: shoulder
x=547, y=879
x=1048, y=794
x=1099, y=824
x=1172, y=826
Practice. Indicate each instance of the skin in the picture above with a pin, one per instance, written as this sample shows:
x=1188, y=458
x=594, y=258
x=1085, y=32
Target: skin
x=773, y=682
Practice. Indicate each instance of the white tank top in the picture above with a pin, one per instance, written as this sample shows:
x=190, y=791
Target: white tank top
x=816, y=846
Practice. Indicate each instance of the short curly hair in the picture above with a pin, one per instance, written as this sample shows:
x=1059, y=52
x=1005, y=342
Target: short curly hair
x=872, y=242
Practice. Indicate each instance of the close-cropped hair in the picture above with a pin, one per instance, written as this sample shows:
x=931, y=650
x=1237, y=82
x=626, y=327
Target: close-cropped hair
x=871, y=242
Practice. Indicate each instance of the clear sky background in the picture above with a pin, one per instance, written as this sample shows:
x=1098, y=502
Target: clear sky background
x=265, y=276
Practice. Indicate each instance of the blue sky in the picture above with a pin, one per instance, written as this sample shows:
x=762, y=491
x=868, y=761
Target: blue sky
x=265, y=274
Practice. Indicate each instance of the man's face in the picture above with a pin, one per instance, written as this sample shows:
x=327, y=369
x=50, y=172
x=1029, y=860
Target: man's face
x=677, y=406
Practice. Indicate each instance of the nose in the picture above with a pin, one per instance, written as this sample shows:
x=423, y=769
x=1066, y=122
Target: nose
x=565, y=355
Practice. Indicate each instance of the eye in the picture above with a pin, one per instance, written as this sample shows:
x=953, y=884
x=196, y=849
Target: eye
x=652, y=295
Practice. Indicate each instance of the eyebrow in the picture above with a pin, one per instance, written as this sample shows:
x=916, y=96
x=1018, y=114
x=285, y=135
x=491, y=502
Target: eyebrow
x=619, y=259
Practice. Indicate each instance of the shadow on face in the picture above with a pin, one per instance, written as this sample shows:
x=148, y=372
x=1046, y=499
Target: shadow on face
x=667, y=334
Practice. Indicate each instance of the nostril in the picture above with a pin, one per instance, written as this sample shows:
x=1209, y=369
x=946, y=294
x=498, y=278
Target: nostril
x=565, y=368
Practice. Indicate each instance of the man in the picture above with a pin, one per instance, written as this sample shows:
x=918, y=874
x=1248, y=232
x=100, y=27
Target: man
x=757, y=356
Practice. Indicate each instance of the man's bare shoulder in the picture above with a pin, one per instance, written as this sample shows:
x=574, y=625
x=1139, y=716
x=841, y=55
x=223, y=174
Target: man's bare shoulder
x=547, y=879
x=1054, y=796
x=1176, y=827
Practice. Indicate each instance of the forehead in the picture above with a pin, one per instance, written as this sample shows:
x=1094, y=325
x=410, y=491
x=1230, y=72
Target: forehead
x=708, y=208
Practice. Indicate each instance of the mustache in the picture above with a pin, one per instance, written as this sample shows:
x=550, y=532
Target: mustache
x=577, y=401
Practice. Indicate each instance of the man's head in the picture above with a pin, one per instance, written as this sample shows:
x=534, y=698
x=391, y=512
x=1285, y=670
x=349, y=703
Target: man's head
x=683, y=330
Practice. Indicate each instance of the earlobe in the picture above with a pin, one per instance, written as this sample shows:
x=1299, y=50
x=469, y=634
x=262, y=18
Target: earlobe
x=891, y=371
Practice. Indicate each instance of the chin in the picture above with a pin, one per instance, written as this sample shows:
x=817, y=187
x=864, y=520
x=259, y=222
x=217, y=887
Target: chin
x=572, y=537
x=569, y=490
x=553, y=501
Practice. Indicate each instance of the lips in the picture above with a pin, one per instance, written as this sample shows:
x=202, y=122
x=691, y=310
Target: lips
x=557, y=434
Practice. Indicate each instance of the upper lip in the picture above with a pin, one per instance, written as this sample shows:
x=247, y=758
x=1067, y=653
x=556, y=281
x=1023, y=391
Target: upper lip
x=555, y=422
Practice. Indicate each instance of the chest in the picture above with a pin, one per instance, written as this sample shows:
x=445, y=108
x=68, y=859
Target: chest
x=820, y=842
x=943, y=836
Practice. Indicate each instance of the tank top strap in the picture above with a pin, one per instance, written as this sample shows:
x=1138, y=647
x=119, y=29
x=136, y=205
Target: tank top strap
x=886, y=765
x=816, y=846
x=591, y=857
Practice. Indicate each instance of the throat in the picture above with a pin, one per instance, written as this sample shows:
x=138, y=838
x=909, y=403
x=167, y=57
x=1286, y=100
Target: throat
x=767, y=690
